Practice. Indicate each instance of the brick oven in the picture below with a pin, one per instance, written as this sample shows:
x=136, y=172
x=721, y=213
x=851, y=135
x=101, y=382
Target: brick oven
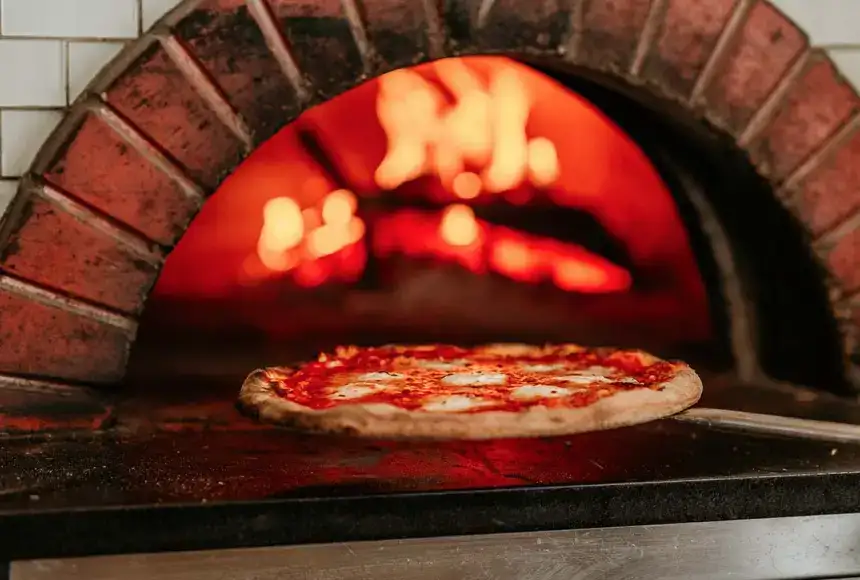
x=734, y=145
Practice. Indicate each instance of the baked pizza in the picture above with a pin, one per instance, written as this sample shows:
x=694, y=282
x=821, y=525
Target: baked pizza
x=450, y=392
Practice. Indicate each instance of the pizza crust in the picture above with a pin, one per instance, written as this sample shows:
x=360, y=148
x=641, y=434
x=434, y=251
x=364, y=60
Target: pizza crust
x=384, y=421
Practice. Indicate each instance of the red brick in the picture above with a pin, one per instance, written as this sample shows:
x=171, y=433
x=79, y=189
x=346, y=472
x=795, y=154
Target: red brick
x=526, y=25
x=611, y=31
x=765, y=49
x=399, y=32
x=844, y=261
x=832, y=191
x=818, y=104
x=156, y=97
x=41, y=340
x=54, y=249
x=102, y=170
x=689, y=33
x=321, y=42
x=229, y=45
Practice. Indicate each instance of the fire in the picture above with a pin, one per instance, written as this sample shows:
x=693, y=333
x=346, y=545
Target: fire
x=459, y=227
x=458, y=236
x=467, y=185
x=294, y=238
x=471, y=134
x=543, y=162
x=484, y=128
x=339, y=207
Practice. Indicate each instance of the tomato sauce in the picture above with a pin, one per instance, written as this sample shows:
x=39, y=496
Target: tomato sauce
x=314, y=384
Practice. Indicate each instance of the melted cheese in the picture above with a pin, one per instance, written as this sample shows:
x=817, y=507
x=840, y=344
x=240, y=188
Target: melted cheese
x=474, y=379
x=438, y=365
x=542, y=368
x=539, y=391
x=454, y=403
x=355, y=390
x=380, y=376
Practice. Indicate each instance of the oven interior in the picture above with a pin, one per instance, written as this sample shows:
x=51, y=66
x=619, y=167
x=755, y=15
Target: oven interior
x=621, y=224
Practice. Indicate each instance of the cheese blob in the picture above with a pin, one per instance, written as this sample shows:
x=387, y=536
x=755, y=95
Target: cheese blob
x=440, y=365
x=474, y=379
x=542, y=368
x=356, y=390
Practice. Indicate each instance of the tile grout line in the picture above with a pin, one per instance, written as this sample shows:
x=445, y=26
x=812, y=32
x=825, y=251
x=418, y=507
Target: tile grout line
x=68, y=68
x=139, y=18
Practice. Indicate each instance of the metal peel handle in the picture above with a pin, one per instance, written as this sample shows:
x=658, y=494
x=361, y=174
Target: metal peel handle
x=772, y=424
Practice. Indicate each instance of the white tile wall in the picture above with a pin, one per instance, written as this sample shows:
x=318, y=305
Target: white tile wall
x=50, y=49
x=86, y=59
x=33, y=73
x=7, y=190
x=155, y=9
x=22, y=132
x=70, y=18
x=827, y=22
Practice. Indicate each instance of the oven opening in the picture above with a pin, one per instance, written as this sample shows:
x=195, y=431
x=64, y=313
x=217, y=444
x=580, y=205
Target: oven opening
x=478, y=200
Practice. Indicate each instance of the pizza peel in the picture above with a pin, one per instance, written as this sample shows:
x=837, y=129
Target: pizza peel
x=771, y=424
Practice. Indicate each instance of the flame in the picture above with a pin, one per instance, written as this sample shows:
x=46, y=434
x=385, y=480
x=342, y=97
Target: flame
x=292, y=237
x=339, y=207
x=467, y=185
x=514, y=259
x=542, y=162
x=484, y=127
x=459, y=226
x=579, y=275
x=458, y=236
x=283, y=226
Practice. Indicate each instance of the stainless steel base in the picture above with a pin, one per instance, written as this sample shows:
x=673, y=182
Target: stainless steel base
x=785, y=548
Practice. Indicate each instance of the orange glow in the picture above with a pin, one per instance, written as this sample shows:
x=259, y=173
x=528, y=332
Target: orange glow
x=457, y=235
x=467, y=185
x=488, y=130
x=283, y=226
x=332, y=238
x=484, y=127
x=291, y=237
x=339, y=207
x=579, y=275
x=543, y=162
x=459, y=227
x=513, y=258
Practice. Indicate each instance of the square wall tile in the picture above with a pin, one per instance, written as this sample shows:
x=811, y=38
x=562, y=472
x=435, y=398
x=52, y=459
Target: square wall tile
x=848, y=61
x=86, y=59
x=70, y=18
x=827, y=22
x=8, y=187
x=21, y=135
x=32, y=73
x=155, y=9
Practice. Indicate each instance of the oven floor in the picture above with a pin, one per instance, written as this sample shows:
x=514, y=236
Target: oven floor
x=199, y=475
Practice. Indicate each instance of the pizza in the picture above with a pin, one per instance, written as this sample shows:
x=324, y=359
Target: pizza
x=451, y=392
